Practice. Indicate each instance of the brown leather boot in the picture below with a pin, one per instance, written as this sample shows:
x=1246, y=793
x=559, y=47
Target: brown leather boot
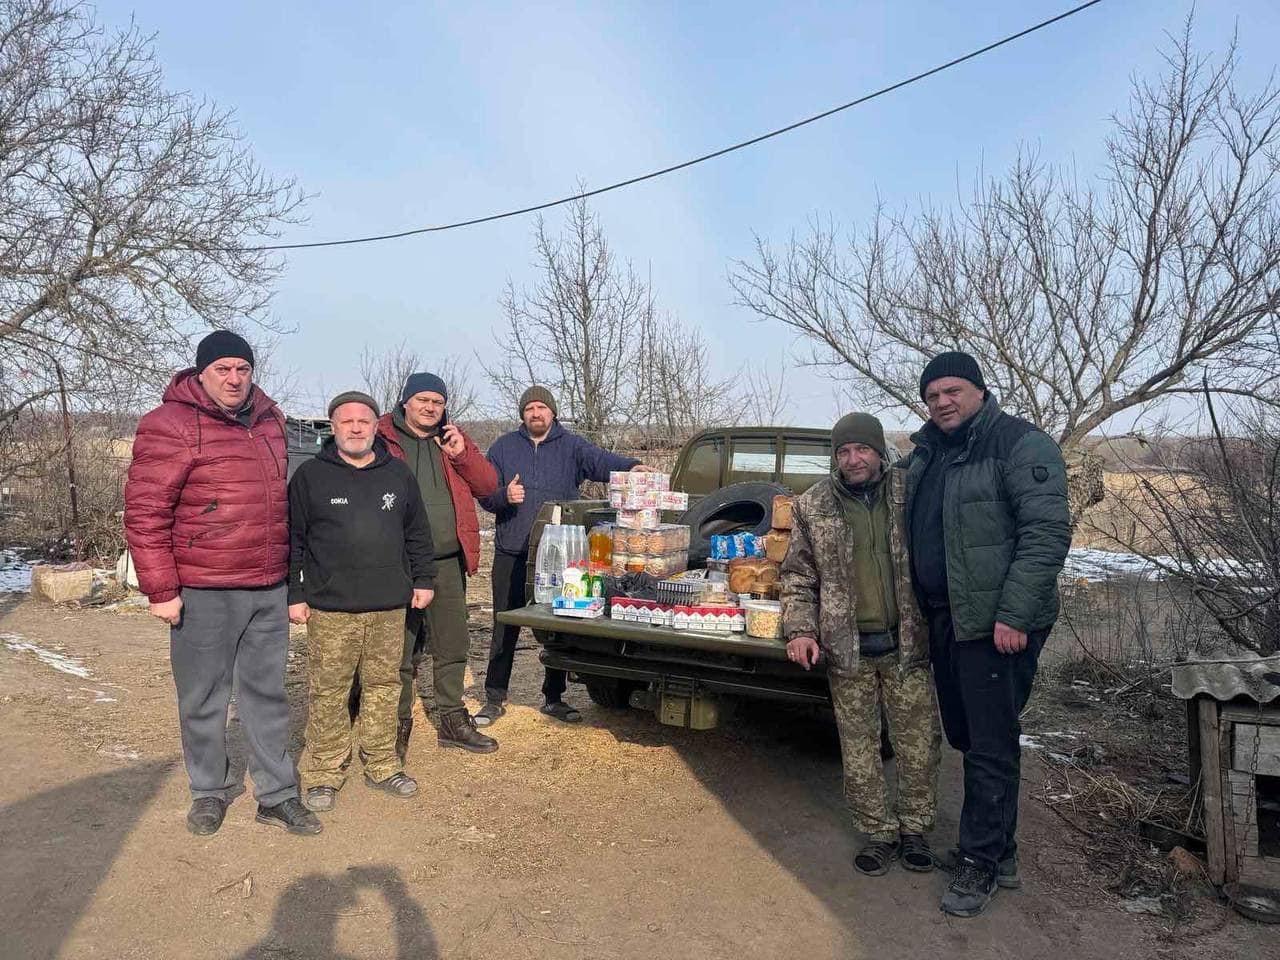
x=457, y=729
x=403, y=729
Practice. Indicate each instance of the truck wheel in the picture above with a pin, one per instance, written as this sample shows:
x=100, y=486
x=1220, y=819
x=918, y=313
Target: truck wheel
x=610, y=692
x=740, y=507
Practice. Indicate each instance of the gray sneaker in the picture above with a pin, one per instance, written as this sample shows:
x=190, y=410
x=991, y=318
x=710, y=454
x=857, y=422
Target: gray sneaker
x=1007, y=875
x=970, y=891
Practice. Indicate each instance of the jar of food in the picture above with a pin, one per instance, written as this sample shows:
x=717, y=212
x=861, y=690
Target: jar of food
x=764, y=619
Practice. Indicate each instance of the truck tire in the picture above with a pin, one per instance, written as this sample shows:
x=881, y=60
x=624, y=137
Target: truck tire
x=737, y=508
x=610, y=692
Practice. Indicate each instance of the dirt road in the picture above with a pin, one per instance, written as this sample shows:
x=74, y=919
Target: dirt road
x=618, y=838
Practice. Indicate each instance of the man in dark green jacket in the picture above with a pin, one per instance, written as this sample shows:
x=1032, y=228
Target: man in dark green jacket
x=989, y=529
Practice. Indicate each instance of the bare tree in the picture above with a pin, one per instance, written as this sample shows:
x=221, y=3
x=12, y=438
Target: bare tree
x=578, y=331
x=1080, y=300
x=385, y=371
x=127, y=214
x=1208, y=515
x=591, y=332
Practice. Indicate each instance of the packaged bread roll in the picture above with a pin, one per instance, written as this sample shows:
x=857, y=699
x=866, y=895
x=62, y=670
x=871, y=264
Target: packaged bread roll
x=781, y=512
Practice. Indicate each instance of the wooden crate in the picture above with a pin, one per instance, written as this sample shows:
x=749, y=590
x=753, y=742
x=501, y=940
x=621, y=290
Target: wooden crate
x=1226, y=740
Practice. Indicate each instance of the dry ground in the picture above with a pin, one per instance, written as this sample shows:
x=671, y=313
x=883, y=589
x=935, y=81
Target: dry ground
x=618, y=838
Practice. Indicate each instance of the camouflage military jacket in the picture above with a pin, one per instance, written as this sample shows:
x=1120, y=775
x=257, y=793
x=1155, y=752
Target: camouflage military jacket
x=817, y=578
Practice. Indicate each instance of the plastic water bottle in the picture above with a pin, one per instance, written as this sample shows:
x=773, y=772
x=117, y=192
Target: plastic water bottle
x=548, y=569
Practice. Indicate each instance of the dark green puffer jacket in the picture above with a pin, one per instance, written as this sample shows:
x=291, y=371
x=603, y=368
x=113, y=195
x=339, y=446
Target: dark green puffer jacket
x=1006, y=524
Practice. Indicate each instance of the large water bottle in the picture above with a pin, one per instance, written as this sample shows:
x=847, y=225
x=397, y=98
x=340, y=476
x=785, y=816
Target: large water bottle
x=548, y=568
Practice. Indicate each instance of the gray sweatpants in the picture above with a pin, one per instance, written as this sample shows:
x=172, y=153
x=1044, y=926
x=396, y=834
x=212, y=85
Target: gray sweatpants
x=241, y=635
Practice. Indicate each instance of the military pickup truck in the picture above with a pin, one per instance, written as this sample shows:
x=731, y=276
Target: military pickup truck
x=687, y=678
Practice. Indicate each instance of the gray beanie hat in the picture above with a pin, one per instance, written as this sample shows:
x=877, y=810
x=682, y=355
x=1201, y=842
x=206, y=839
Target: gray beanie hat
x=858, y=428
x=353, y=396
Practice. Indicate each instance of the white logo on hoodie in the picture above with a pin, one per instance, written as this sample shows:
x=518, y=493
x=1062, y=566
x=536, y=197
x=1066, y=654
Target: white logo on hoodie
x=388, y=501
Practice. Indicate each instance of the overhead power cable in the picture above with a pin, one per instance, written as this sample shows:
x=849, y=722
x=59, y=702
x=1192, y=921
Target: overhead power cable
x=534, y=208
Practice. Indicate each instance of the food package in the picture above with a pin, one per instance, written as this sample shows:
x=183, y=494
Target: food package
x=764, y=619
x=671, y=500
x=729, y=546
x=638, y=519
x=782, y=512
x=775, y=545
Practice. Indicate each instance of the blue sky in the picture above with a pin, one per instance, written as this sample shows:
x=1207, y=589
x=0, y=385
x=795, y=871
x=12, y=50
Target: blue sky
x=402, y=115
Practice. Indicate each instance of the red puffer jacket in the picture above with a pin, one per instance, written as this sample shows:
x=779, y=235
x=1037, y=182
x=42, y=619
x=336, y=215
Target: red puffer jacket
x=468, y=476
x=206, y=501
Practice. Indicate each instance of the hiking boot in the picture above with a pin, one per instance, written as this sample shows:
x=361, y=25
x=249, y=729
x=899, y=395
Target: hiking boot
x=970, y=891
x=403, y=729
x=457, y=729
x=205, y=815
x=320, y=799
x=1007, y=875
x=290, y=815
x=399, y=785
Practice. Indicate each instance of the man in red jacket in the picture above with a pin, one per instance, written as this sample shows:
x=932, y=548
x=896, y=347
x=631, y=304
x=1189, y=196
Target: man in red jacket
x=451, y=473
x=207, y=521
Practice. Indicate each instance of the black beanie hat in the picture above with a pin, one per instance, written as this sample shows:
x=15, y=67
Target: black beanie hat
x=858, y=428
x=540, y=395
x=418, y=382
x=219, y=344
x=953, y=363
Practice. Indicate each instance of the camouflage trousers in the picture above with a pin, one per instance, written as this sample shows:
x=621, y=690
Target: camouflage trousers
x=911, y=714
x=340, y=646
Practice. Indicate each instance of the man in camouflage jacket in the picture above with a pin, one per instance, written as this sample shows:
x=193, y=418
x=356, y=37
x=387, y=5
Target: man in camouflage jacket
x=847, y=598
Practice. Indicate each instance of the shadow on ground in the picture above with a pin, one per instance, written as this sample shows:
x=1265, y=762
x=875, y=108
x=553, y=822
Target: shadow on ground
x=58, y=847
x=307, y=915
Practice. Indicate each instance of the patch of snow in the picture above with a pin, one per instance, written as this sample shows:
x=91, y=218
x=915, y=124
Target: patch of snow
x=15, y=572
x=1090, y=564
x=59, y=661
x=1028, y=743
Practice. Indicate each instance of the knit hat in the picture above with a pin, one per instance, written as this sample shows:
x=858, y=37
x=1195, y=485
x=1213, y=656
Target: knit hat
x=953, y=363
x=539, y=395
x=858, y=428
x=416, y=383
x=219, y=344
x=353, y=396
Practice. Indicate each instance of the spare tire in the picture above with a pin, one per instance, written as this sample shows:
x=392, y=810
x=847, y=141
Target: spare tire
x=737, y=508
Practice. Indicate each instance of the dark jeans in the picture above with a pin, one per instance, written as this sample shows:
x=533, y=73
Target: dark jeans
x=508, y=594
x=981, y=693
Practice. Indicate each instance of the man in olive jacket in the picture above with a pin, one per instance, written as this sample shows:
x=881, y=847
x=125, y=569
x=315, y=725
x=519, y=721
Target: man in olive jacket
x=989, y=529
x=846, y=590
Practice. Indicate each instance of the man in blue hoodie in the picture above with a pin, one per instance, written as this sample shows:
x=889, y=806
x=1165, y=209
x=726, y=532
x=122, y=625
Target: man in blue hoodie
x=540, y=462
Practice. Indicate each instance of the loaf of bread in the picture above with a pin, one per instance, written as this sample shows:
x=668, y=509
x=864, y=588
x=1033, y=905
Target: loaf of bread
x=752, y=575
x=775, y=545
x=781, y=512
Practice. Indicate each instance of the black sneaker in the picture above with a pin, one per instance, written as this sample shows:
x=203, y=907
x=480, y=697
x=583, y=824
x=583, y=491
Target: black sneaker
x=205, y=815
x=971, y=889
x=290, y=815
x=398, y=785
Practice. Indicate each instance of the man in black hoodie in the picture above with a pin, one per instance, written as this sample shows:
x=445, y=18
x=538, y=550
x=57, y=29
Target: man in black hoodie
x=360, y=551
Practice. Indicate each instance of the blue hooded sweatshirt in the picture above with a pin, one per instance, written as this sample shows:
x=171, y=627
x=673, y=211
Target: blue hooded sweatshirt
x=550, y=470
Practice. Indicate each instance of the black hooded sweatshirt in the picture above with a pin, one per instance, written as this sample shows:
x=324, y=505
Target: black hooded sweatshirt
x=358, y=536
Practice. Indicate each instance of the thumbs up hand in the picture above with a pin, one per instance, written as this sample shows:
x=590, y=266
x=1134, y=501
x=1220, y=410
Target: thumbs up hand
x=515, y=490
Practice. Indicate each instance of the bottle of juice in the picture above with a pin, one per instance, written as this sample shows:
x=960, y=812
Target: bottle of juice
x=601, y=546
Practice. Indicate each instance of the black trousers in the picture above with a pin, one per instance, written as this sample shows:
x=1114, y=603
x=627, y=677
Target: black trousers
x=981, y=693
x=509, y=572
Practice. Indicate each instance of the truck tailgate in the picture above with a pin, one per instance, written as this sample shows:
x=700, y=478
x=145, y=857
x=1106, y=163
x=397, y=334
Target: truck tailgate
x=538, y=616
